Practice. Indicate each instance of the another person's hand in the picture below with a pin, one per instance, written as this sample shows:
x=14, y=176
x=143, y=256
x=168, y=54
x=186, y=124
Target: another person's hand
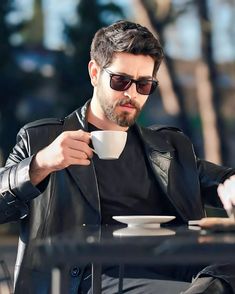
x=226, y=192
x=69, y=148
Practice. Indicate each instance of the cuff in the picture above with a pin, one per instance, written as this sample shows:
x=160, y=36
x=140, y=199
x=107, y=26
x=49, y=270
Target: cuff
x=19, y=180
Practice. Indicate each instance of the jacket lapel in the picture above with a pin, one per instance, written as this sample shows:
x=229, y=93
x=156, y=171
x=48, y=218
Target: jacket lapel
x=84, y=176
x=178, y=181
x=159, y=154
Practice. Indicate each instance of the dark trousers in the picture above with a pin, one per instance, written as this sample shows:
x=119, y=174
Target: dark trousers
x=134, y=280
x=205, y=285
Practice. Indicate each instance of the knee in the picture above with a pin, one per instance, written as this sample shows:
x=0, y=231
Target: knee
x=209, y=285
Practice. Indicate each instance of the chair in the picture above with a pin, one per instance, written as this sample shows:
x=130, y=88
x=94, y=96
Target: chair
x=5, y=279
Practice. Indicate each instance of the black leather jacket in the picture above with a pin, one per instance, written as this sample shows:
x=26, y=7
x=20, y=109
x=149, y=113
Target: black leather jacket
x=70, y=197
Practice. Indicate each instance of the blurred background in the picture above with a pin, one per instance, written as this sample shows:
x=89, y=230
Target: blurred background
x=44, y=51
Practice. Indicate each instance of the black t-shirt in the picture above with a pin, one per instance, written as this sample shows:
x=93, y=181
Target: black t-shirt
x=127, y=185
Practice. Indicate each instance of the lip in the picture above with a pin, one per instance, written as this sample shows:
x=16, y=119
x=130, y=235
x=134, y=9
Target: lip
x=129, y=106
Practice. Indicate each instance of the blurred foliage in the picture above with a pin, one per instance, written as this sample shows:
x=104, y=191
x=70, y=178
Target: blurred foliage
x=10, y=78
x=73, y=75
x=34, y=31
x=71, y=80
x=69, y=85
x=160, y=15
x=159, y=21
x=208, y=57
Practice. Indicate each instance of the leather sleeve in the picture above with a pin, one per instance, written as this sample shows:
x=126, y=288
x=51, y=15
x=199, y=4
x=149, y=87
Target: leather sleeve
x=15, y=186
x=210, y=176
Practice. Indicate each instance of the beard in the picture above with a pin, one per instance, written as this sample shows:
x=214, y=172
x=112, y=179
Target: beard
x=124, y=118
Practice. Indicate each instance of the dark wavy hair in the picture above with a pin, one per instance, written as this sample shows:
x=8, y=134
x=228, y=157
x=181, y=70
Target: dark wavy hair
x=125, y=36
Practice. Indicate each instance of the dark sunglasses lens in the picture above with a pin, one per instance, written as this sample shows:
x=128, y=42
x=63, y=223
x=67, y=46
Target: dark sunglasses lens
x=119, y=83
x=146, y=87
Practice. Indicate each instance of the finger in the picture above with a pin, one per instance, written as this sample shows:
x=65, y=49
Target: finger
x=224, y=197
x=80, y=135
x=77, y=154
x=84, y=162
x=232, y=188
x=80, y=162
x=229, y=186
x=77, y=158
x=82, y=147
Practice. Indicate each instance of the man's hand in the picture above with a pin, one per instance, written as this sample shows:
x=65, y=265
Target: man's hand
x=69, y=148
x=226, y=192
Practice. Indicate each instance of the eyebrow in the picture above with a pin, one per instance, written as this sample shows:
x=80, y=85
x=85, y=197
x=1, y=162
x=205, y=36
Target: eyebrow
x=131, y=77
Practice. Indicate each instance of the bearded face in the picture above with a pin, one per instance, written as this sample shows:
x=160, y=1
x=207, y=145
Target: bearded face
x=111, y=104
x=123, y=111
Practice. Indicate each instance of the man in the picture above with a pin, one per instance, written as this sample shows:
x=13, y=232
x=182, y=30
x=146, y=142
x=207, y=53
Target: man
x=53, y=182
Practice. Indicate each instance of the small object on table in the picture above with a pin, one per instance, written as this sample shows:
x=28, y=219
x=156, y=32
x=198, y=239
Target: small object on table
x=215, y=223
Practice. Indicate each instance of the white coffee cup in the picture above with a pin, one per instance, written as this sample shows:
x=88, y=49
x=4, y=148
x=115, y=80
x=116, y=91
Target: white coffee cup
x=108, y=144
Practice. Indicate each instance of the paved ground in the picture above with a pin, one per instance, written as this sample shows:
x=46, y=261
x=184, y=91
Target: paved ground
x=8, y=250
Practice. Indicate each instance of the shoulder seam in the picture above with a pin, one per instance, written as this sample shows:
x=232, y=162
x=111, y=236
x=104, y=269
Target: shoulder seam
x=165, y=127
x=42, y=122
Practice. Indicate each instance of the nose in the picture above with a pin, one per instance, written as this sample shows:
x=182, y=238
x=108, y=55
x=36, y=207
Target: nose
x=126, y=94
x=131, y=92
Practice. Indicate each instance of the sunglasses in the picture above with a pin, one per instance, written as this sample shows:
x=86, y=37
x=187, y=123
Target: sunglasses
x=122, y=83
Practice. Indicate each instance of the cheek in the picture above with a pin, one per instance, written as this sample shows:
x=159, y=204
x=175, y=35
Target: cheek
x=113, y=96
x=106, y=90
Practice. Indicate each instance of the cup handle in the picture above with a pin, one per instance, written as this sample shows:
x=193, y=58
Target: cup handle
x=94, y=151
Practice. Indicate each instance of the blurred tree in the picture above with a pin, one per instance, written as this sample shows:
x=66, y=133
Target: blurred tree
x=10, y=80
x=160, y=14
x=211, y=74
x=211, y=140
x=169, y=98
x=73, y=75
x=34, y=32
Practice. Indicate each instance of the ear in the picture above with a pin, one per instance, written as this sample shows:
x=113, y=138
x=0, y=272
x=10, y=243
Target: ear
x=94, y=70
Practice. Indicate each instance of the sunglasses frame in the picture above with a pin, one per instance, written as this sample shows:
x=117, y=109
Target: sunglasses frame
x=131, y=81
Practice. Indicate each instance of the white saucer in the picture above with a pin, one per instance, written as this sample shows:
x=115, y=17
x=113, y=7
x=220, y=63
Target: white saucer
x=142, y=231
x=194, y=222
x=147, y=221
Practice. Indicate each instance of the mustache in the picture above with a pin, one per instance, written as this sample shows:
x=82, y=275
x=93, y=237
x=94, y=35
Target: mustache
x=127, y=100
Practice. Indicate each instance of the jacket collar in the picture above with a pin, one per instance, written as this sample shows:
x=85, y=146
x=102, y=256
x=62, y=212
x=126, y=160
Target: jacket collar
x=154, y=140
x=77, y=119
